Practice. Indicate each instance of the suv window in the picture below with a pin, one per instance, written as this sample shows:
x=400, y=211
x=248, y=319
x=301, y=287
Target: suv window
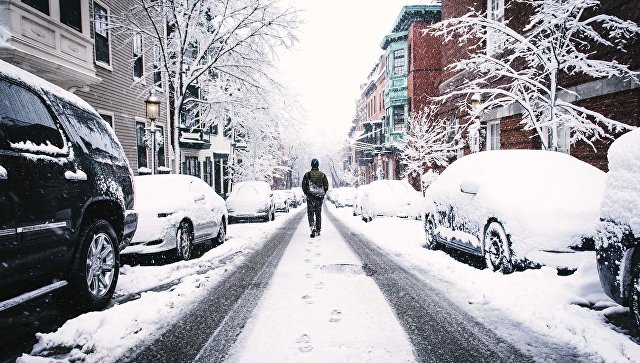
x=25, y=122
x=93, y=131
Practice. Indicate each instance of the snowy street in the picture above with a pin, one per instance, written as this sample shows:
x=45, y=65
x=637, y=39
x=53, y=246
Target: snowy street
x=359, y=292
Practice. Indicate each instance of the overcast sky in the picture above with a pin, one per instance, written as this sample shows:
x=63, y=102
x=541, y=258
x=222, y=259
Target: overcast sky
x=339, y=45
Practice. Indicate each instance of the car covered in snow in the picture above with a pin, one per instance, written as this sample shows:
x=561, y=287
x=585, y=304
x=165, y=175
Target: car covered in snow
x=281, y=200
x=618, y=237
x=66, y=194
x=300, y=197
x=251, y=200
x=357, y=199
x=343, y=197
x=389, y=198
x=291, y=196
x=176, y=212
x=516, y=208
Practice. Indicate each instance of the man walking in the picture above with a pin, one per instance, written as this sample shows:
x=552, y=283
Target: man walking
x=315, y=186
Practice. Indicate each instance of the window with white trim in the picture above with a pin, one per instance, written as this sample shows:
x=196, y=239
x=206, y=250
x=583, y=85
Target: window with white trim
x=563, y=144
x=157, y=63
x=399, y=63
x=101, y=33
x=138, y=61
x=495, y=12
x=493, y=135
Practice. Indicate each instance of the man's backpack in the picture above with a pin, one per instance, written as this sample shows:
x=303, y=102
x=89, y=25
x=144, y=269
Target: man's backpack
x=316, y=190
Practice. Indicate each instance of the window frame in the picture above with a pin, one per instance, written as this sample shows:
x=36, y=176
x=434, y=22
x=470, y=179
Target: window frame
x=136, y=56
x=48, y=7
x=100, y=63
x=80, y=29
x=110, y=114
x=496, y=12
x=140, y=144
x=491, y=137
x=157, y=67
x=399, y=68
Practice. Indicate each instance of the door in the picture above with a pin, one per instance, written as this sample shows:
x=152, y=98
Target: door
x=44, y=197
x=8, y=236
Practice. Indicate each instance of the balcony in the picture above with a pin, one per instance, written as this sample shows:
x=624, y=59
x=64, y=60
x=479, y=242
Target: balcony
x=43, y=45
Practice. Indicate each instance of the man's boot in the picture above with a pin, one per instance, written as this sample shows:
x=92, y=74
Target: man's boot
x=313, y=233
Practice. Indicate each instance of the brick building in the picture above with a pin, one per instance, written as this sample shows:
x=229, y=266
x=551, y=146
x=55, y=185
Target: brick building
x=615, y=98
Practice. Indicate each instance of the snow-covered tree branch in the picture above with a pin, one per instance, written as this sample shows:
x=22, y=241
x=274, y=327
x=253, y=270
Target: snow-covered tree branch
x=509, y=67
x=431, y=142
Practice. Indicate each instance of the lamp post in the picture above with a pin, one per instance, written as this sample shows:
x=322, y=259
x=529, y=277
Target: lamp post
x=476, y=107
x=153, y=110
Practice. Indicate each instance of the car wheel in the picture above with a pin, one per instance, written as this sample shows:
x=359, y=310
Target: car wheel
x=94, y=273
x=431, y=242
x=222, y=234
x=497, y=252
x=273, y=215
x=184, y=240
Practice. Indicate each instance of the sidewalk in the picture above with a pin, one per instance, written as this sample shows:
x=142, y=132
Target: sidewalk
x=321, y=307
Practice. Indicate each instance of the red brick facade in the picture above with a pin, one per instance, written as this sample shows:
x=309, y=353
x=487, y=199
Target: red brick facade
x=425, y=66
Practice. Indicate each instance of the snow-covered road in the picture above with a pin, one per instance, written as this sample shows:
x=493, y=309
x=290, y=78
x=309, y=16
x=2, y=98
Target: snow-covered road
x=321, y=306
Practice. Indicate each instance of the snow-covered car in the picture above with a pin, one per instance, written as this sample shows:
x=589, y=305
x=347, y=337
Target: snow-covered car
x=357, y=199
x=415, y=202
x=291, y=196
x=251, y=200
x=388, y=198
x=618, y=234
x=517, y=208
x=343, y=197
x=300, y=197
x=281, y=201
x=176, y=212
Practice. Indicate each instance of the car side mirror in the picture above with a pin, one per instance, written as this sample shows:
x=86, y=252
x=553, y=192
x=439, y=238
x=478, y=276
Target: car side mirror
x=470, y=186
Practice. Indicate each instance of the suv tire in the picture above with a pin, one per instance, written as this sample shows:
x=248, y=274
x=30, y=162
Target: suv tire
x=94, y=273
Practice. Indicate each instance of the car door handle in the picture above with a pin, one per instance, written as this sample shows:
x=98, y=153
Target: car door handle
x=77, y=175
x=4, y=175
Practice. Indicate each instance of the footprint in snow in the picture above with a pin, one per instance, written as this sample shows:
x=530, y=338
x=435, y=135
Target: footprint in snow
x=304, y=343
x=335, y=316
x=307, y=260
x=308, y=250
x=308, y=275
x=308, y=299
x=318, y=254
x=319, y=285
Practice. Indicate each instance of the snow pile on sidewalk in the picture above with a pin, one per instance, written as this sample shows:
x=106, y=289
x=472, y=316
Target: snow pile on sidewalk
x=148, y=299
x=539, y=299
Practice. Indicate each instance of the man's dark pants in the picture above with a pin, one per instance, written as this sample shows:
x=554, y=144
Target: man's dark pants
x=314, y=208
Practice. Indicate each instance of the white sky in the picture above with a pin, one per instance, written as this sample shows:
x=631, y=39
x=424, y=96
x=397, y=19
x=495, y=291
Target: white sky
x=339, y=44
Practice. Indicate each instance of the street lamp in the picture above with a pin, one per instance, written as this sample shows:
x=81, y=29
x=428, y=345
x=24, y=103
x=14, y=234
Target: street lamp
x=476, y=107
x=153, y=110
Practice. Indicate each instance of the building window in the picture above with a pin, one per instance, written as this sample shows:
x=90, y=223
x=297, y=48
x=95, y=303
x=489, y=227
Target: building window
x=160, y=143
x=398, y=118
x=495, y=12
x=142, y=148
x=399, y=66
x=40, y=5
x=191, y=166
x=563, y=139
x=493, y=135
x=138, y=64
x=108, y=119
x=101, y=33
x=207, y=166
x=157, y=64
x=71, y=14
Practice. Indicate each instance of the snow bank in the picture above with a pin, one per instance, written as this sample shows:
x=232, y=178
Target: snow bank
x=545, y=200
x=539, y=299
x=621, y=201
x=104, y=336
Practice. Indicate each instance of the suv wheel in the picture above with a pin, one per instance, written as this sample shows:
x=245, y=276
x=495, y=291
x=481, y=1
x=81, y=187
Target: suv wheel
x=94, y=273
x=184, y=240
x=497, y=252
x=222, y=234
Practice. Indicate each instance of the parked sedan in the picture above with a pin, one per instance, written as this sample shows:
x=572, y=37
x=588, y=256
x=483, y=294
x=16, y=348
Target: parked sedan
x=357, y=199
x=251, y=200
x=388, y=198
x=618, y=235
x=176, y=212
x=517, y=208
x=281, y=201
x=343, y=197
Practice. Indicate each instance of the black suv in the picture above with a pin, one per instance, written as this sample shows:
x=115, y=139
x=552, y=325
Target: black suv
x=66, y=194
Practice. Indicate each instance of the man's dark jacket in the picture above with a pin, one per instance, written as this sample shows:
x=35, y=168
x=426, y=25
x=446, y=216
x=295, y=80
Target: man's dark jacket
x=317, y=177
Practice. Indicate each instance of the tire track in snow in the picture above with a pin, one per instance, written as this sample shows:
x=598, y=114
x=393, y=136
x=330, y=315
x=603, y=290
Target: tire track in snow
x=438, y=329
x=206, y=332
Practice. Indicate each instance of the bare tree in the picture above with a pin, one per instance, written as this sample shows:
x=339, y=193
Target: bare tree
x=508, y=67
x=216, y=56
x=431, y=142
